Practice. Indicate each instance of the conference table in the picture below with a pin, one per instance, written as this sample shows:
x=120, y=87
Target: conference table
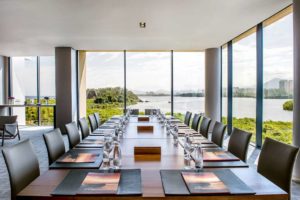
x=170, y=160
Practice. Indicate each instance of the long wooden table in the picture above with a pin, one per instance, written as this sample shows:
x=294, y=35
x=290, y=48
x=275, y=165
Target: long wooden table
x=171, y=158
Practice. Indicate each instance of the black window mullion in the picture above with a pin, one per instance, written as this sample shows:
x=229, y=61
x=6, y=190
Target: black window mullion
x=259, y=85
x=125, y=92
x=172, y=83
x=38, y=81
x=229, y=88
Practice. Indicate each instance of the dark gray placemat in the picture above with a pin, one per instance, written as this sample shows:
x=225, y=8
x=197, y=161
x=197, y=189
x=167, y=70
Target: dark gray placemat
x=234, y=184
x=130, y=182
x=174, y=184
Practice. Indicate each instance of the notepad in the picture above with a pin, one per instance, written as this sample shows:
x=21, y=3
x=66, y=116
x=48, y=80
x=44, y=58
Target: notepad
x=204, y=183
x=211, y=156
x=100, y=183
x=78, y=158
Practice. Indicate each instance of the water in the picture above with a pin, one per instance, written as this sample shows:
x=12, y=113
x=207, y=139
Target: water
x=242, y=107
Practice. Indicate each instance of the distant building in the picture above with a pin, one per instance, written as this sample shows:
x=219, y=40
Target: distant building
x=287, y=86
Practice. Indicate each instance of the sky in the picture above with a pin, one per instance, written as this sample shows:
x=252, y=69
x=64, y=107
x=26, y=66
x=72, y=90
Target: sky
x=150, y=71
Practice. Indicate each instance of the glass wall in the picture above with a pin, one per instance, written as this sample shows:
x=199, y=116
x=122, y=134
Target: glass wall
x=105, y=83
x=278, y=78
x=24, y=88
x=224, y=83
x=149, y=78
x=47, y=88
x=189, y=80
x=244, y=82
x=25, y=82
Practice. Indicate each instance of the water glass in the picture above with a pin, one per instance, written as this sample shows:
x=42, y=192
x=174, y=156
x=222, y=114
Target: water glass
x=198, y=157
x=106, y=151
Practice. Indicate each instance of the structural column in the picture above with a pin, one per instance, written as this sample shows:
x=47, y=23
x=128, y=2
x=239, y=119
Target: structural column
x=213, y=83
x=65, y=83
x=296, y=112
x=82, y=83
x=4, y=85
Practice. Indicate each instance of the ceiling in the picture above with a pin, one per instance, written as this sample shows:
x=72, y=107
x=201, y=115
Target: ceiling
x=35, y=27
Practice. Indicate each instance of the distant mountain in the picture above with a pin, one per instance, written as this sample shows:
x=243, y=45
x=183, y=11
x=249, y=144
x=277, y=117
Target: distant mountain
x=272, y=84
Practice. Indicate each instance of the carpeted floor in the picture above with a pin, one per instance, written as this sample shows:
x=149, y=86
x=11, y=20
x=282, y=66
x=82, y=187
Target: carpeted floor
x=35, y=134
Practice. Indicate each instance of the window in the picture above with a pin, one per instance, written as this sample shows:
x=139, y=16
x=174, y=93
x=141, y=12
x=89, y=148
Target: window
x=24, y=88
x=224, y=83
x=278, y=77
x=189, y=80
x=47, y=88
x=244, y=82
x=105, y=83
x=149, y=78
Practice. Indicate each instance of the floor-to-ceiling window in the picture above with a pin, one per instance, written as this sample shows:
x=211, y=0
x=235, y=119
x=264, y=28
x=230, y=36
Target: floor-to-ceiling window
x=24, y=88
x=33, y=82
x=278, y=77
x=149, y=78
x=224, y=83
x=105, y=84
x=47, y=88
x=189, y=80
x=244, y=82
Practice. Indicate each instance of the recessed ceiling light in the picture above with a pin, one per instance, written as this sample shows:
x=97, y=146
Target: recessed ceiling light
x=142, y=24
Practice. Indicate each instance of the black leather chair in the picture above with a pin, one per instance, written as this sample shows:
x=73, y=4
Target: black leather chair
x=9, y=128
x=196, y=122
x=239, y=143
x=93, y=123
x=218, y=132
x=98, y=120
x=204, y=127
x=148, y=111
x=134, y=111
x=84, y=127
x=55, y=145
x=22, y=165
x=276, y=163
x=73, y=134
x=187, y=118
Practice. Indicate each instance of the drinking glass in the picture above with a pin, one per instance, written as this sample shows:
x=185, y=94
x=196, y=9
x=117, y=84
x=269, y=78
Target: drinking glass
x=198, y=157
x=106, y=150
x=188, y=149
x=175, y=134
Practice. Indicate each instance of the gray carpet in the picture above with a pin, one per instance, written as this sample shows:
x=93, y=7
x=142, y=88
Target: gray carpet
x=35, y=134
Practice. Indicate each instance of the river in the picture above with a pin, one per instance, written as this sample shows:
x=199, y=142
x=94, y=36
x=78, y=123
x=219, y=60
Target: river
x=242, y=107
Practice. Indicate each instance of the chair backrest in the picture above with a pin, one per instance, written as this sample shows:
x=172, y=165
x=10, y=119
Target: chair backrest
x=73, y=134
x=93, y=123
x=7, y=120
x=134, y=111
x=239, y=143
x=196, y=122
x=148, y=111
x=55, y=145
x=22, y=165
x=217, y=134
x=97, y=118
x=204, y=127
x=276, y=163
x=187, y=118
x=84, y=127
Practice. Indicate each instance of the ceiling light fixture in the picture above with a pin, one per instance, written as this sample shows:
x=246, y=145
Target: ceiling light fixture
x=142, y=24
